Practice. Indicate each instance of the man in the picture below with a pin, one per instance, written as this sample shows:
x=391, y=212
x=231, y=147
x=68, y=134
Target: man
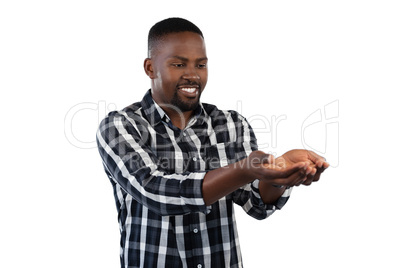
x=177, y=166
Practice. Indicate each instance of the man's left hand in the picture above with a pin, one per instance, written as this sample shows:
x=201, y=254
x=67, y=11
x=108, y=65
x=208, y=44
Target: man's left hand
x=316, y=164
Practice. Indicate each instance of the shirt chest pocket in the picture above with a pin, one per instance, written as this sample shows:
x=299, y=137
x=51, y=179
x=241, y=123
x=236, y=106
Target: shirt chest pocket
x=220, y=155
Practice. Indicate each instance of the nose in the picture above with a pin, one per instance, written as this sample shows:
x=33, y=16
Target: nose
x=191, y=74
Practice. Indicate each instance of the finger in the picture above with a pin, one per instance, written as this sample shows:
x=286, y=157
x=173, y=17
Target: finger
x=322, y=163
x=325, y=165
x=297, y=178
x=293, y=179
x=318, y=174
x=318, y=160
x=310, y=178
x=300, y=180
x=278, y=172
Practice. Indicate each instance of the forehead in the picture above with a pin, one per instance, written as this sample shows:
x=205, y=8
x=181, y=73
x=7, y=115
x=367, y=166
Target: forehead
x=181, y=44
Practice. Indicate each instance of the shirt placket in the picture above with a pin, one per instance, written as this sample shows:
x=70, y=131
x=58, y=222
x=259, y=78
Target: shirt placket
x=196, y=241
x=192, y=161
x=192, y=164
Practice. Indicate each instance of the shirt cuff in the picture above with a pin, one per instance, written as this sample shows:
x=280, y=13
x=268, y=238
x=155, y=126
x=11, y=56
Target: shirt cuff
x=191, y=192
x=270, y=208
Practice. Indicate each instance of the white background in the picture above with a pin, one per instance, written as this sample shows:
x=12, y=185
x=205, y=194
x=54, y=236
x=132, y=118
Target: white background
x=63, y=64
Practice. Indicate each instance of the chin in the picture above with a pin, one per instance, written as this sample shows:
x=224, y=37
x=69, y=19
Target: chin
x=185, y=105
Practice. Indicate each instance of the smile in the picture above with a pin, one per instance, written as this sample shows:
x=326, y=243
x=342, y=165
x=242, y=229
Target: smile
x=189, y=89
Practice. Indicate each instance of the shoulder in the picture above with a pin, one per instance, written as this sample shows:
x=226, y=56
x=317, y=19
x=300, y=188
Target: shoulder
x=228, y=125
x=217, y=114
x=132, y=113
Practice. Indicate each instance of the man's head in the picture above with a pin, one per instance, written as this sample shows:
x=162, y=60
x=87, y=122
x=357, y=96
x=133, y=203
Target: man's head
x=176, y=63
x=171, y=25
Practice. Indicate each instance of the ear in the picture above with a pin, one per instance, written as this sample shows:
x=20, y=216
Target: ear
x=148, y=68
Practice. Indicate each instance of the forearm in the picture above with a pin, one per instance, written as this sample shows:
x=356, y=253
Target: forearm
x=225, y=180
x=269, y=193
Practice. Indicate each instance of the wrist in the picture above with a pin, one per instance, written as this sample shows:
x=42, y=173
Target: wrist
x=255, y=164
x=244, y=171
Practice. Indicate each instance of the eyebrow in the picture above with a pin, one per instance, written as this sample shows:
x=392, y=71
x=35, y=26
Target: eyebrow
x=185, y=59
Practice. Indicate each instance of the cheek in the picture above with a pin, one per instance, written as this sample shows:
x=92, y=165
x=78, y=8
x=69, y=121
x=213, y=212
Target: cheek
x=169, y=77
x=162, y=79
x=204, y=78
x=158, y=81
x=168, y=82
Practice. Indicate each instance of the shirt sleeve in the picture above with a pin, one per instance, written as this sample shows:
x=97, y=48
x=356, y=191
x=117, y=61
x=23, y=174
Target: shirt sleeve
x=248, y=196
x=131, y=164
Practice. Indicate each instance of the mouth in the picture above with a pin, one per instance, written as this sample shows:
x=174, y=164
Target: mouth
x=189, y=91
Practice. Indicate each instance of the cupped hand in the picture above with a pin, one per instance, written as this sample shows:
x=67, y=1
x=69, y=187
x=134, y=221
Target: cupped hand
x=316, y=164
x=280, y=173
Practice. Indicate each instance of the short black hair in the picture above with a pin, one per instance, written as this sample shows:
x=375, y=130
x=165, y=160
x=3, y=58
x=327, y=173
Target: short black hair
x=167, y=26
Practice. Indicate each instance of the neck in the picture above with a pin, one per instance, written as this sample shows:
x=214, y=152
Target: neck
x=180, y=120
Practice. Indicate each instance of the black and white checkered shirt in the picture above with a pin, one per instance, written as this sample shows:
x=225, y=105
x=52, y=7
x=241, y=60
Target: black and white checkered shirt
x=157, y=171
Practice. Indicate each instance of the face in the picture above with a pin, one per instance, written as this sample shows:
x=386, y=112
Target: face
x=178, y=70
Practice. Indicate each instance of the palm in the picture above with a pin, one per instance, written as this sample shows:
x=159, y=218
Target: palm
x=286, y=168
x=295, y=156
x=311, y=159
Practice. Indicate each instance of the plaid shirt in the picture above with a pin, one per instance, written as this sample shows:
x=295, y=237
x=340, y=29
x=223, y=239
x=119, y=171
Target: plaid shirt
x=157, y=171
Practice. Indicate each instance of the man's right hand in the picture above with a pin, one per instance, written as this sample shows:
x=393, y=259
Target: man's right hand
x=278, y=172
x=258, y=165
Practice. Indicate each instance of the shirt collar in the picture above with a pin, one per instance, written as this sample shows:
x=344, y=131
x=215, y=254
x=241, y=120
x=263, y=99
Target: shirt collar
x=155, y=114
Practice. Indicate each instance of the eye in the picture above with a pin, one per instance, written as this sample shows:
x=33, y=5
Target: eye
x=178, y=65
x=204, y=65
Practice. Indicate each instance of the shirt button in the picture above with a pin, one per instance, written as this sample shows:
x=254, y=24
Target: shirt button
x=194, y=158
x=195, y=230
x=199, y=266
x=184, y=134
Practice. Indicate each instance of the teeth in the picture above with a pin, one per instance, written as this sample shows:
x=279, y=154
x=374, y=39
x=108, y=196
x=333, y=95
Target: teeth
x=189, y=89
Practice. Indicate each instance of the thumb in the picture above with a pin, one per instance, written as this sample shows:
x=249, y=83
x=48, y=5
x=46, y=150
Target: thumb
x=268, y=159
x=261, y=157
